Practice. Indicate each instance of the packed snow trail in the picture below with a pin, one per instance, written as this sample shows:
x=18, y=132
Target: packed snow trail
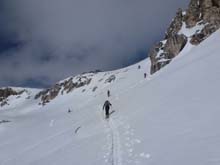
x=116, y=158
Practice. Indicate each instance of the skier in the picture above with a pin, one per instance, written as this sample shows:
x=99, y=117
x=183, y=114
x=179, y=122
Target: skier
x=106, y=107
x=108, y=93
x=69, y=111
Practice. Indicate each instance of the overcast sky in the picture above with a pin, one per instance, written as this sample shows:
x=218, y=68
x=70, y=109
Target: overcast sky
x=44, y=41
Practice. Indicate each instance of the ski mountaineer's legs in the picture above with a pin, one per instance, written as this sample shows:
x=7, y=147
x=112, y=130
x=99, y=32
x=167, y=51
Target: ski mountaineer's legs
x=107, y=112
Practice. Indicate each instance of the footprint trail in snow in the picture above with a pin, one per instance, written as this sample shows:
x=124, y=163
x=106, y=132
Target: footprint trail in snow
x=129, y=149
x=114, y=154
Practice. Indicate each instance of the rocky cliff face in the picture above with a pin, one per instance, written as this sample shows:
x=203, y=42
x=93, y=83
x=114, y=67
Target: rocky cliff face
x=5, y=93
x=65, y=86
x=82, y=82
x=191, y=26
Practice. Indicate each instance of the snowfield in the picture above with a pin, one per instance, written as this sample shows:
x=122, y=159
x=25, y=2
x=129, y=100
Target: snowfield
x=170, y=118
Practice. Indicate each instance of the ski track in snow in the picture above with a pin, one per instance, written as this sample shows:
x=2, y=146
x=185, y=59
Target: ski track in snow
x=114, y=153
x=115, y=148
x=116, y=158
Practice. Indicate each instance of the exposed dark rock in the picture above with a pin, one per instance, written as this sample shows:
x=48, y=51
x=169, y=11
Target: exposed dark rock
x=200, y=12
x=154, y=58
x=94, y=89
x=216, y=3
x=4, y=121
x=197, y=38
x=174, y=45
x=68, y=85
x=4, y=102
x=210, y=16
x=38, y=95
x=176, y=24
x=193, y=13
x=110, y=79
x=63, y=87
x=5, y=93
x=93, y=71
x=169, y=50
x=207, y=12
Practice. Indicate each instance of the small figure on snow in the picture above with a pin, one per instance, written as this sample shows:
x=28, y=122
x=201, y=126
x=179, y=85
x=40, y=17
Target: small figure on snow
x=139, y=67
x=108, y=93
x=106, y=107
x=69, y=111
x=145, y=75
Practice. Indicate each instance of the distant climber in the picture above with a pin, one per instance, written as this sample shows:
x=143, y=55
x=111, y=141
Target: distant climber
x=145, y=75
x=139, y=67
x=69, y=111
x=108, y=93
x=106, y=107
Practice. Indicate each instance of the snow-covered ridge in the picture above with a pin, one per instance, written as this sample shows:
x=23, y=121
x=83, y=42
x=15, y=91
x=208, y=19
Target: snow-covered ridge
x=188, y=29
x=89, y=83
x=9, y=94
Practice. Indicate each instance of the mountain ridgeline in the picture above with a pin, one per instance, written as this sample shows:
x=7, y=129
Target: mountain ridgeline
x=188, y=29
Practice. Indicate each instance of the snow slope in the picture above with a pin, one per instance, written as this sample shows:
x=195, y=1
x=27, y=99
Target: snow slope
x=169, y=118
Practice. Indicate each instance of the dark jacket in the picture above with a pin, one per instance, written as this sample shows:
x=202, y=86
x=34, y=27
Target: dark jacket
x=107, y=104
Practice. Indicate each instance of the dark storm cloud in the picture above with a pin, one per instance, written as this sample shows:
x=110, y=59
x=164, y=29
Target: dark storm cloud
x=52, y=39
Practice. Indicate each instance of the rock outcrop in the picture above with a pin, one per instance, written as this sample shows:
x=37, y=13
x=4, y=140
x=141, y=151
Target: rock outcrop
x=110, y=79
x=163, y=52
x=81, y=82
x=65, y=86
x=202, y=15
x=175, y=25
x=4, y=121
x=207, y=13
x=5, y=93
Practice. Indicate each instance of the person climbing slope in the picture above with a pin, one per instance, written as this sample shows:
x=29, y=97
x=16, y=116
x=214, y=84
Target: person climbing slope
x=108, y=93
x=106, y=107
x=69, y=111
